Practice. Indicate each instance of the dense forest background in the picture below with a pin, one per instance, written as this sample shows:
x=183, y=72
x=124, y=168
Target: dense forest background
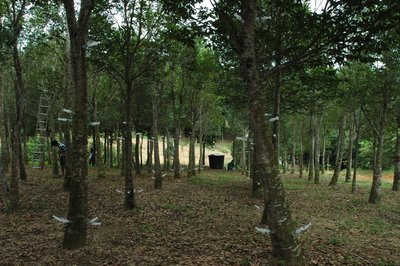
x=306, y=88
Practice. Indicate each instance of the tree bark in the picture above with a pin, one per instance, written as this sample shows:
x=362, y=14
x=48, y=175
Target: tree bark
x=357, y=146
x=176, y=162
x=284, y=158
x=376, y=188
x=157, y=166
x=101, y=172
x=5, y=151
x=311, y=158
x=293, y=155
x=54, y=151
x=192, y=162
x=350, y=153
x=317, y=151
x=17, y=17
x=110, y=148
x=118, y=140
x=137, y=154
x=105, y=147
x=339, y=153
x=301, y=159
x=76, y=230
x=285, y=246
x=396, y=166
x=323, y=151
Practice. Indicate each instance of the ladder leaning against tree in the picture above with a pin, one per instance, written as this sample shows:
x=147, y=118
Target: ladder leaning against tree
x=41, y=128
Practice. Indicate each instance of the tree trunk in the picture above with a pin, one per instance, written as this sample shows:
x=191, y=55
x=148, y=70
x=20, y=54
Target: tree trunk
x=150, y=150
x=176, y=162
x=350, y=153
x=396, y=165
x=101, y=172
x=25, y=139
x=311, y=158
x=192, y=161
x=110, y=149
x=301, y=159
x=168, y=166
x=14, y=186
x=157, y=166
x=323, y=152
x=76, y=230
x=339, y=153
x=127, y=151
x=377, y=176
x=137, y=155
x=105, y=147
x=293, y=155
x=357, y=146
x=66, y=127
x=164, y=152
x=19, y=95
x=284, y=159
x=5, y=151
x=54, y=151
x=118, y=147
x=141, y=151
x=316, y=152
x=285, y=245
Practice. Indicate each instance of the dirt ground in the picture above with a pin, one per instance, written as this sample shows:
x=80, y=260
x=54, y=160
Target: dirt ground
x=206, y=220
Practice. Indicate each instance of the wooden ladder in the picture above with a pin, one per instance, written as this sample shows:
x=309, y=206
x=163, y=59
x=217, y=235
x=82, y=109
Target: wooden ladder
x=41, y=125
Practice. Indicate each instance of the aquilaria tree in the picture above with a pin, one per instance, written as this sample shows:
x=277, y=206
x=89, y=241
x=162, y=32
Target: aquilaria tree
x=78, y=26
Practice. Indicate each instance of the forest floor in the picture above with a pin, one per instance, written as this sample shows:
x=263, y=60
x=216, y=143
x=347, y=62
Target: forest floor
x=205, y=220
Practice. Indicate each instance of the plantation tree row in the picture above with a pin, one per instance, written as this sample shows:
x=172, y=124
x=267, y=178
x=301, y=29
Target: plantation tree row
x=311, y=89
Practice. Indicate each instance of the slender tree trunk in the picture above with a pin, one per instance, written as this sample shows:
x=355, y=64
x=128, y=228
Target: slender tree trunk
x=118, y=140
x=350, y=152
x=164, y=154
x=110, y=152
x=129, y=190
x=323, y=152
x=150, y=150
x=105, y=147
x=176, y=162
x=311, y=158
x=293, y=155
x=14, y=186
x=301, y=159
x=137, y=155
x=22, y=172
x=192, y=162
x=285, y=245
x=101, y=172
x=157, y=166
x=76, y=230
x=339, y=153
x=377, y=175
x=141, y=151
x=357, y=146
x=316, y=152
x=5, y=152
x=54, y=151
x=25, y=139
x=19, y=96
x=284, y=159
x=396, y=165
x=66, y=127
x=257, y=182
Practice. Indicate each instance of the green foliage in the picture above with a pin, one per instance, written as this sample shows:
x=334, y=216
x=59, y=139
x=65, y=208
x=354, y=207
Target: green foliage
x=336, y=241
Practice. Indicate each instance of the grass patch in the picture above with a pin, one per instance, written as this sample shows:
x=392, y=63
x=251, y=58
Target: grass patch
x=216, y=178
x=336, y=241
